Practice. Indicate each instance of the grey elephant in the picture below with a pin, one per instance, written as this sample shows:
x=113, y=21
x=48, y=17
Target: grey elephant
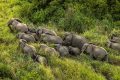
x=51, y=39
x=113, y=45
x=27, y=49
x=95, y=52
x=74, y=50
x=74, y=40
x=63, y=50
x=115, y=39
x=27, y=37
x=16, y=24
x=49, y=50
x=45, y=31
x=41, y=59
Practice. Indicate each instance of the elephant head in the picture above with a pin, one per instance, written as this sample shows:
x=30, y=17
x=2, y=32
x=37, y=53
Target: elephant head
x=22, y=43
x=84, y=47
x=12, y=20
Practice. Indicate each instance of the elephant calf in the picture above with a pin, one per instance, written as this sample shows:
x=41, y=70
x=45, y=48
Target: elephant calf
x=41, y=60
x=95, y=52
x=71, y=39
x=63, y=50
x=16, y=24
x=27, y=37
x=49, y=50
x=46, y=31
x=27, y=49
x=113, y=45
x=51, y=39
x=74, y=51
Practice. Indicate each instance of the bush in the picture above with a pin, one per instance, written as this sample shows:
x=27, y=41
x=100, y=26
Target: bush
x=70, y=15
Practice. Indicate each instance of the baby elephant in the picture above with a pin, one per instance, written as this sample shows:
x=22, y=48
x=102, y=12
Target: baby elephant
x=51, y=39
x=27, y=37
x=49, y=50
x=63, y=50
x=71, y=39
x=27, y=49
x=16, y=24
x=45, y=31
x=113, y=45
x=74, y=51
x=95, y=52
x=41, y=59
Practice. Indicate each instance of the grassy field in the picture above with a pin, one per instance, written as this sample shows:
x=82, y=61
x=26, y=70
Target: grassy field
x=15, y=66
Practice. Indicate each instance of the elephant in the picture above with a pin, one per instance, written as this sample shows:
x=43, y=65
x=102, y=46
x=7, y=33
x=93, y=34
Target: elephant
x=41, y=60
x=74, y=50
x=63, y=50
x=16, y=24
x=74, y=40
x=51, y=39
x=27, y=49
x=96, y=52
x=45, y=31
x=49, y=50
x=27, y=37
x=115, y=39
x=113, y=45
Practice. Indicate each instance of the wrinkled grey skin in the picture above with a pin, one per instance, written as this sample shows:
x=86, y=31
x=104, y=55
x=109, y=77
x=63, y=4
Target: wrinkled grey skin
x=115, y=46
x=95, y=52
x=74, y=40
x=41, y=60
x=49, y=50
x=45, y=31
x=27, y=49
x=16, y=24
x=27, y=37
x=51, y=39
x=115, y=39
x=74, y=51
x=63, y=50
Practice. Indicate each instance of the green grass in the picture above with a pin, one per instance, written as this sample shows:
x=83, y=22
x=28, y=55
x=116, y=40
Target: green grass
x=14, y=65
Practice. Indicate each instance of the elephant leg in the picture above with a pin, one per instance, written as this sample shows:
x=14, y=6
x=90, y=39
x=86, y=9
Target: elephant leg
x=105, y=58
x=91, y=56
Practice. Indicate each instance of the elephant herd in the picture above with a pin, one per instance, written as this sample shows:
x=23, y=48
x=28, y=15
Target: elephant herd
x=70, y=44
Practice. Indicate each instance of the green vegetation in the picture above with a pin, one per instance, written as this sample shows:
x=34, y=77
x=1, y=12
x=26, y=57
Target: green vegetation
x=94, y=19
